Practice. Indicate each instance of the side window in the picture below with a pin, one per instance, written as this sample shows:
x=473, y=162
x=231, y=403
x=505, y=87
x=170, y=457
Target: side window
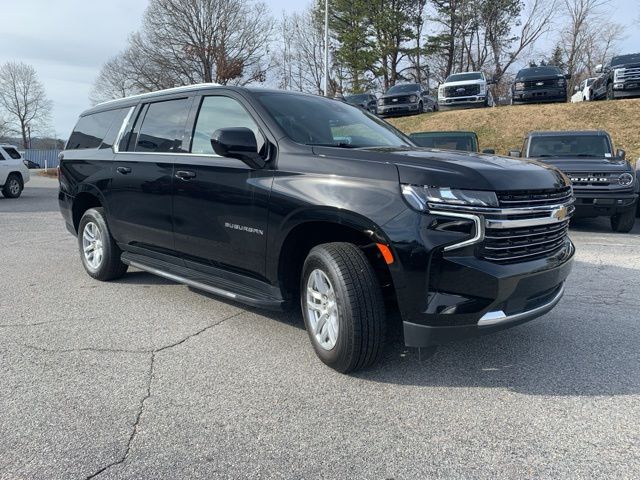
x=12, y=152
x=114, y=129
x=91, y=129
x=163, y=126
x=1, y=155
x=221, y=112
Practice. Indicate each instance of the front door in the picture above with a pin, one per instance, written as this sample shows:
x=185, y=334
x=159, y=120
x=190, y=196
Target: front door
x=220, y=205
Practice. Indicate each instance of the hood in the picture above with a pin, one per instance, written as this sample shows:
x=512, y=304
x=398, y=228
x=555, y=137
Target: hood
x=463, y=82
x=468, y=170
x=577, y=164
x=627, y=65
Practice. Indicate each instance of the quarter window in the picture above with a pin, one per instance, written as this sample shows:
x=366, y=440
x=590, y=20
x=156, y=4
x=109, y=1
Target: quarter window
x=221, y=112
x=12, y=152
x=163, y=126
x=91, y=130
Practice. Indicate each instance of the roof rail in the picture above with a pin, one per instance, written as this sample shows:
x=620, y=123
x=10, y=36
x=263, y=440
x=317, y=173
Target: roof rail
x=184, y=88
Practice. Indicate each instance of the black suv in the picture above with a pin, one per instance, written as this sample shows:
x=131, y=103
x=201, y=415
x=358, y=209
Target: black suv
x=620, y=78
x=272, y=198
x=539, y=85
x=604, y=183
x=406, y=99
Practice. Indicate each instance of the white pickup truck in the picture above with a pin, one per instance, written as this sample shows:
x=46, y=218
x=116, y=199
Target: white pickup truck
x=467, y=90
x=13, y=172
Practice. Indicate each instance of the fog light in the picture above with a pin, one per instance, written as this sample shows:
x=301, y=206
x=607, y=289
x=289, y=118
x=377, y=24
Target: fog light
x=618, y=86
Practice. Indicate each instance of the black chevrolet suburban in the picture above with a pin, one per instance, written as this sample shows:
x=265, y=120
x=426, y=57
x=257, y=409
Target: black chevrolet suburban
x=604, y=183
x=272, y=198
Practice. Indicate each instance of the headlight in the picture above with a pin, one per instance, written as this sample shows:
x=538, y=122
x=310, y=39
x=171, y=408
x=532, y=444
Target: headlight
x=418, y=197
x=413, y=98
x=381, y=102
x=625, y=179
x=483, y=89
x=519, y=85
x=618, y=74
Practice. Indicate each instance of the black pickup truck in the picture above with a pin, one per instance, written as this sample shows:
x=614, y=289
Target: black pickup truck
x=620, y=78
x=275, y=198
x=604, y=182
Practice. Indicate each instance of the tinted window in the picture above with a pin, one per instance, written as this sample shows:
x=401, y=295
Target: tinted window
x=538, y=72
x=404, y=88
x=621, y=60
x=313, y=120
x=114, y=129
x=463, y=77
x=12, y=152
x=1, y=156
x=357, y=98
x=91, y=130
x=448, y=142
x=220, y=112
x=163, y=126
x=569, y=146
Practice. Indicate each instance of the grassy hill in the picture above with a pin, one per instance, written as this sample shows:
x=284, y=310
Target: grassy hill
x=503, y=128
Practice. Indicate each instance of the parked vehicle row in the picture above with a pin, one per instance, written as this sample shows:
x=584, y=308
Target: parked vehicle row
x=273, y=198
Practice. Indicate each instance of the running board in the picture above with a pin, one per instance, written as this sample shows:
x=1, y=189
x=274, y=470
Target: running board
x=221, y=287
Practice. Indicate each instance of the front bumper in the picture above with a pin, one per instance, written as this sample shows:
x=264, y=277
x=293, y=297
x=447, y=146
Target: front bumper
x=603, y=204
x=401, y=109
x=462, y=102
x=540, y=95
x=626, y=89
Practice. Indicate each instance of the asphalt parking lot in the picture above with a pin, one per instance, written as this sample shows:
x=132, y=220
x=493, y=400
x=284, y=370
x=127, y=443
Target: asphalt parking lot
x=145, y=378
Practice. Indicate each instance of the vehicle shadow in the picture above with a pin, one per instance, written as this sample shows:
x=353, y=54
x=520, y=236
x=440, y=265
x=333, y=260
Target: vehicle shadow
x=598, y=225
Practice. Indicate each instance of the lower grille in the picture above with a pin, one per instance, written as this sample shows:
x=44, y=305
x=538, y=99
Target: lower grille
x=523, y=244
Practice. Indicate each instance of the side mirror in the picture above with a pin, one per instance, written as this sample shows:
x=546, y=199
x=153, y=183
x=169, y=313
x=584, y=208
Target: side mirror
x=490, y=151
x=620, y=153
x=599, y=68
x=576, y=88
x=238, y=142
x=515, y=153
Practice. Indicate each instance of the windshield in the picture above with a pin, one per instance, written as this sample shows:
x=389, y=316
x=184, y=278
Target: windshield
x=314, y=120
x=596, y=146
x=357, y=98
x=463, y=77
x=538, y=72
x=404, y=88
x=622, y=59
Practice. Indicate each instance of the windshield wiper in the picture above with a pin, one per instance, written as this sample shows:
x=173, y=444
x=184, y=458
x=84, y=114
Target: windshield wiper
x=587, y=155
x=338, y=145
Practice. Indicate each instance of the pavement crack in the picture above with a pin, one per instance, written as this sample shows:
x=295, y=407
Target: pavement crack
x=147, y=394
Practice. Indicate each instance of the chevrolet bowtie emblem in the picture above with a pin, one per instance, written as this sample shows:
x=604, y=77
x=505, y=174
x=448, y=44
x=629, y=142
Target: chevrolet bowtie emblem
x=560, y=213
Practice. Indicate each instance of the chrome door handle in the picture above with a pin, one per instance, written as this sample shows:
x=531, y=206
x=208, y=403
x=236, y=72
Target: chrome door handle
x=185, y=174
x=123, y=170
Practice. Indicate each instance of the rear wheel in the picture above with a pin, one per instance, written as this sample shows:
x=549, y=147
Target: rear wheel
x=99, y=253
x=623, y=222
x=342, y=306
x=13, y=186
x=421, y=108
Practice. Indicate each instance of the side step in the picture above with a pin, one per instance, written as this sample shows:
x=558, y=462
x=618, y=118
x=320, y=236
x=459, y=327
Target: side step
x=254, y=293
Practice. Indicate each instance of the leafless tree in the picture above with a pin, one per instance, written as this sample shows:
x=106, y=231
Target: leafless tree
x=190, y=41
x=23, y=98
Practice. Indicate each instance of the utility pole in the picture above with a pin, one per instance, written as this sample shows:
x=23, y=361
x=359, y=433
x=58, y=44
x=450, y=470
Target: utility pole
x=326, y=48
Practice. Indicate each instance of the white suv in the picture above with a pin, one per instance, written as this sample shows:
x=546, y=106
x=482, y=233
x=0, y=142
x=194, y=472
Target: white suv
x=468, y=89
x=13, y=172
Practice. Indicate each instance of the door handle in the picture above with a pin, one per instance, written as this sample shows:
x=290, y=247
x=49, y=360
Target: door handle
x=123, y=170
x=185, y=174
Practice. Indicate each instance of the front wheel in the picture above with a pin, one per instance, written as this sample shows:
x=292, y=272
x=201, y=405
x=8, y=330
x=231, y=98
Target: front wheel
x=342, y=306
x=13, y=186
x=610, y=95
x=623, y=222
x=98, y=250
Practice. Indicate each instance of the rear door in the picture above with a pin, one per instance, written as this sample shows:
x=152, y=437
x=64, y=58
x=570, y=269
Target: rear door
x=220, y=204
x=140, y=203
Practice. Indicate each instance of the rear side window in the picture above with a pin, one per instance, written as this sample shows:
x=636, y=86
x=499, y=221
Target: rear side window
x=220, y=112
x=163, y=125
x=12, y=152
x=92, y=129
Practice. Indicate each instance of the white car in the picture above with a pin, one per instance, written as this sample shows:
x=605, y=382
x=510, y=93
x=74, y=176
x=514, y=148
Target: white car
x=468, y=89
x=13, y=172
x=583, y=91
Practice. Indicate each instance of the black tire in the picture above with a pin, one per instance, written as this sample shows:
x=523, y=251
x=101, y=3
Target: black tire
x=13, y=186
x=421, y=108
x=623, y=222
x=110, y=267
x=610, y=95
x=360, y=306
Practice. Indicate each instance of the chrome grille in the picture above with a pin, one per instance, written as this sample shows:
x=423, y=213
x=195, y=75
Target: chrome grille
x=534, y=198
x=550, y=82
x=396, y=100
x=513, y=245
x=630, y=74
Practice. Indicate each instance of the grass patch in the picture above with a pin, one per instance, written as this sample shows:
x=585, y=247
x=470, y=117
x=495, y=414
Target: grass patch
x=504, y=128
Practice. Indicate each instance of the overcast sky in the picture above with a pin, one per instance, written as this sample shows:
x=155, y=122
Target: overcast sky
x=68, y=40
